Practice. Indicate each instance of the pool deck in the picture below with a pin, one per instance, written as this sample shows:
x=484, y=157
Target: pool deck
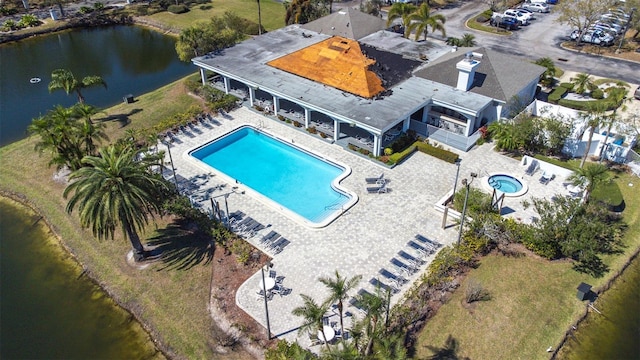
x=366, y=237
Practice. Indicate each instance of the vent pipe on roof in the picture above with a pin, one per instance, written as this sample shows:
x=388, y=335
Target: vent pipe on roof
x=466, y=71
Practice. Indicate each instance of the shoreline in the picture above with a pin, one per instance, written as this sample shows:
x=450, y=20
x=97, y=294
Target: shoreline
x=85, y=271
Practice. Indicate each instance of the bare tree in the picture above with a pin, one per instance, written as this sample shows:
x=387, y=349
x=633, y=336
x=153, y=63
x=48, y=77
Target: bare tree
x=580, y=14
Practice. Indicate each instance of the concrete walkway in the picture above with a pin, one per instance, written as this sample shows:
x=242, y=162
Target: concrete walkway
x=366, y=237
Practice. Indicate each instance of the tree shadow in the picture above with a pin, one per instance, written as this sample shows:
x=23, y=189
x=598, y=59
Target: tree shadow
x=122, y=119
x=448, y=352
x=181, y=249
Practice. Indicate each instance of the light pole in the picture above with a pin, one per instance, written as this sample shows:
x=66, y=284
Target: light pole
x=175, y=179
x=464, y=207
x=626, y=27
x=455, y=185
x=266, y=306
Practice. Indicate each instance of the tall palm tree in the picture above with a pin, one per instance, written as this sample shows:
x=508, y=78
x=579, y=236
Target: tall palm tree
x=582, y=82
x=400, y=11
x=589, y=178
x=313, y=315
x=422, y=19
x=467, y=40
x=63, y=79
x=374, y=305
x=339, y=288
x=390, y=348
x=115, y=189
x=595, y=116
x=58, y=133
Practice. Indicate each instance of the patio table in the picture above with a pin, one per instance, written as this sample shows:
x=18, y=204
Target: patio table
x=269, y=283
x=328, y=332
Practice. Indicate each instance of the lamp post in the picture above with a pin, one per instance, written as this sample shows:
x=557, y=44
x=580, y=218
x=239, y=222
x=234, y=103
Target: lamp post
x=626, y=27
x=175, y=179
x=455, y=185
x=464, y=207
x=266, y=306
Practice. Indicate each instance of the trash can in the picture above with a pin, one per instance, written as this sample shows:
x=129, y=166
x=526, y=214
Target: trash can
x=583, y=291
x=128, y=99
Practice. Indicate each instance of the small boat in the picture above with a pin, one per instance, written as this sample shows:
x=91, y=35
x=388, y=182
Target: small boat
x=35, y=80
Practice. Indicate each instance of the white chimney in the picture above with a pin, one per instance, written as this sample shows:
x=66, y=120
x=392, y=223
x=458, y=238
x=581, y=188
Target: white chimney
x=466, y=70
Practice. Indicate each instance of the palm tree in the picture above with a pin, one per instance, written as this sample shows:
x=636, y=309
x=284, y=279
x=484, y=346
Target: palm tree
x=374, y=305
x=89, y=131
x=115, y=189
x=582, y=82
x=595, y=116
x=421, y=20
x=589, y=178
x=313, y=315
x=63, y=79
x=550, y=72
x=340, y=288
x=400, y=11
x=59, y=133
x=467, y=40
x=390, y=348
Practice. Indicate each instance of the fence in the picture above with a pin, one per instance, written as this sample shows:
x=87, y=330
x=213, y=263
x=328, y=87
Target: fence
x=460, y=142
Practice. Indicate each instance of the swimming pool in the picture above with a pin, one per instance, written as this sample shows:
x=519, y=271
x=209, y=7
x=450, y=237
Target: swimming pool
x=509, y=185
x=302, y=184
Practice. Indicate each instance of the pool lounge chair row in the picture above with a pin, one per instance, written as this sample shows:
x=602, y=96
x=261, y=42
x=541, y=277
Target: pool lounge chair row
x=273, y=242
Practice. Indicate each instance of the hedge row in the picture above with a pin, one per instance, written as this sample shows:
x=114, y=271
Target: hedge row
x=437, y=152
x=399, y=156
x=557, y=94
x=586, y=105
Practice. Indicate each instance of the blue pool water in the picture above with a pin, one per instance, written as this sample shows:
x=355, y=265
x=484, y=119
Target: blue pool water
x=293, y=178
x=505, y=183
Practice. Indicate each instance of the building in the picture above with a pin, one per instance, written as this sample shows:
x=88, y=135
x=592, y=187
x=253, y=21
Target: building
x=350, y=78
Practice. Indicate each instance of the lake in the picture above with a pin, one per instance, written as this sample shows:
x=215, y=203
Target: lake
x=131, y=59
x=49, y=310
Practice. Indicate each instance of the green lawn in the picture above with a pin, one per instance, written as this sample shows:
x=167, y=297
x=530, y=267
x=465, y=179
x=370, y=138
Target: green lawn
x=172, y=302
x=272, y=13
x=533, y=301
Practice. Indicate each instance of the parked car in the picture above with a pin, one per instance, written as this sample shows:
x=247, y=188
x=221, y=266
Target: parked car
x=529, y=12
x=507, y=22
x=596, y=37
x=519, y=15
x=553, y=2
x=615, y=27
x=537, y=7
x=605, y=29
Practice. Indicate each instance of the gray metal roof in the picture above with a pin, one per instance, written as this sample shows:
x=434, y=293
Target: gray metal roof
x=347, y=22
x=498, y=76
x=247, y=62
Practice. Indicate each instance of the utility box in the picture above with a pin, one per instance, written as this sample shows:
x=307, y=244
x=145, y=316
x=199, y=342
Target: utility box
x=583, y=291
x=128, y=99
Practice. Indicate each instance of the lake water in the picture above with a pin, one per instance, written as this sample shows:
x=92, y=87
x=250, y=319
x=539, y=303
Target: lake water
x=131, y=59
x=48, y=310
x=615, y=333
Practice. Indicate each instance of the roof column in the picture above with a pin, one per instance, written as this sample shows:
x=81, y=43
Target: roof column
x=252, y=96
x=336, y=129
x=203, y=76
x=376, y=145
x=276, y=105
x=307, y=116
x=227, y=85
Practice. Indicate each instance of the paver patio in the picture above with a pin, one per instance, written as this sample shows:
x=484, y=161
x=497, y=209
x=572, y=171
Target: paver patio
x=365, y=237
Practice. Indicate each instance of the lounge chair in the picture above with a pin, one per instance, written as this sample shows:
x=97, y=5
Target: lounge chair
x=267, y=238
x=533, y=167
x=387, y=288
x=399, y=280
x=546, y=178
x=423, y=251
x=402, y=267
x=410, y=259
x=381, y=188
x=375, y=180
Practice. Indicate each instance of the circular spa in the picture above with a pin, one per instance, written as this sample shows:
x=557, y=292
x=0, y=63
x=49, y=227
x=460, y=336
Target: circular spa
x=509, y=185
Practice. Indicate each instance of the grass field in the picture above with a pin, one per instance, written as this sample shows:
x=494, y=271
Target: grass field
x=172, y=301
x=272, y=13
x=533, y=301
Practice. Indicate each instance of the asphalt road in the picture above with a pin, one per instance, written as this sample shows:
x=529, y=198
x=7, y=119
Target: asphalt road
x=539, y=39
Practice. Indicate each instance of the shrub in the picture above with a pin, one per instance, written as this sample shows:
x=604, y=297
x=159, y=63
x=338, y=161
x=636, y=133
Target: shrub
x=476, y=292
x=323, y=135
x=597, y=93
x=364, y=151
x=437, y=152
x=399, y=156
x=297, y=123
x=177, y=9
x=487, y=13
x=557, y=94
x=482, y=19
x=281, y=118
x=312, y=130
x=258, y=107
x=242, y=249
x=85, y=10
x=566, y=85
